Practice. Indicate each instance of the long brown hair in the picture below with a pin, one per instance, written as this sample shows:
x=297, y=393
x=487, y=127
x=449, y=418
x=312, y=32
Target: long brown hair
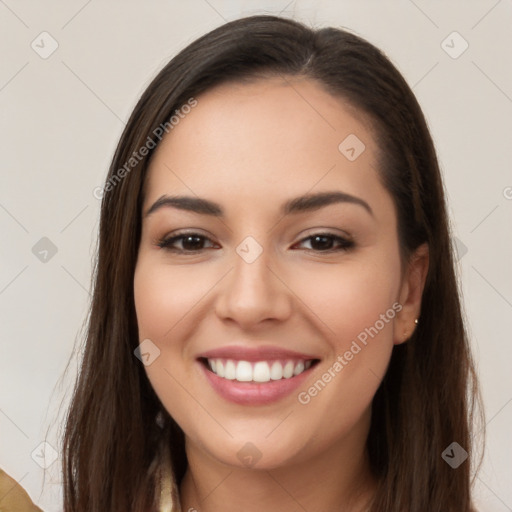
x=426, y=400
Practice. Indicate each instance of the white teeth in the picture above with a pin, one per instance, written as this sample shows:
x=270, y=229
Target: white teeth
x=243, y=371
x=288, y=370
x=261, y=371
x=230, y=370
x=299, y=368
x=220, y=368
x=276, y=372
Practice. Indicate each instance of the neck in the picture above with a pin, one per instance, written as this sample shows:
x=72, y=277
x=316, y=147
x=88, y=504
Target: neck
x=338, y=478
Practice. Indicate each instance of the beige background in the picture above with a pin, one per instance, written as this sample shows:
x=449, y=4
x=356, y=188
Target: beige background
x=62, y=115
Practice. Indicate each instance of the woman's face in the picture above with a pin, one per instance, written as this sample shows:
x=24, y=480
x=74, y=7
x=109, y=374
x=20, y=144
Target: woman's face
x=294, y=303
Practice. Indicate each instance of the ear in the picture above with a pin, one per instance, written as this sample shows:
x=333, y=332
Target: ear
x=411, y=291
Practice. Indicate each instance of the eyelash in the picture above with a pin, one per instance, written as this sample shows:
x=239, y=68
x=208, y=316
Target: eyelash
x=166, y=243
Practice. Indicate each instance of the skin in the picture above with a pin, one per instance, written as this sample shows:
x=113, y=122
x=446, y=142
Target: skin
x=250, y=148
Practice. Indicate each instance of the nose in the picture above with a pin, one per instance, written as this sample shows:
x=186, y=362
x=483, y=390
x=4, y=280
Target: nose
x=254, y=292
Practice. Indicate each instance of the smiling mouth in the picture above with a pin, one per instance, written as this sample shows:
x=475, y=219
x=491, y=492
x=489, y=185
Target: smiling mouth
x=257, y=371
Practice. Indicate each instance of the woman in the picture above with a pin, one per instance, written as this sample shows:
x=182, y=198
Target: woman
x=275, y=322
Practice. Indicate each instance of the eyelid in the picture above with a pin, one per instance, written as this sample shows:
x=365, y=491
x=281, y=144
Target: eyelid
x=166, y=239
x=326, y=231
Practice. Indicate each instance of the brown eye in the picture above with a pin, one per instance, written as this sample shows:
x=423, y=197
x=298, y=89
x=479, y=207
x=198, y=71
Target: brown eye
x=324, y=242
x=190, y=242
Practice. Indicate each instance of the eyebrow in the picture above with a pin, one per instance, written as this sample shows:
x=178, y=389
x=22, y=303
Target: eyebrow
x=307, y=202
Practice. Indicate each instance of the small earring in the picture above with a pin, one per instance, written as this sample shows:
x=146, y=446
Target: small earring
x=416, y=321
x=160, y=420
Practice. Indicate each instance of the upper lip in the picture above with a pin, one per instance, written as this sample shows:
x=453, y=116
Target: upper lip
x=262, y=353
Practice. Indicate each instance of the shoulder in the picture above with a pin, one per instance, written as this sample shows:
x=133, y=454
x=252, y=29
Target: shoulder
x=13, y=497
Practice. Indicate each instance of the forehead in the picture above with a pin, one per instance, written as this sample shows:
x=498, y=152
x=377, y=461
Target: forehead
x=266, y=140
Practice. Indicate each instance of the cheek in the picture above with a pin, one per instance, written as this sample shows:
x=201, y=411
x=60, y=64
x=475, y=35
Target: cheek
x=350, y=298
x=162, y=300
x=355, y=305
x=163, y=297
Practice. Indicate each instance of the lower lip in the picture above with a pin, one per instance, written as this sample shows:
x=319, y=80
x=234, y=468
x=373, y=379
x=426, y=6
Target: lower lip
x=254, y=393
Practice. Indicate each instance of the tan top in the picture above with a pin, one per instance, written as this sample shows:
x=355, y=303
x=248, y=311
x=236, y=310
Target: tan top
x=13, y=498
